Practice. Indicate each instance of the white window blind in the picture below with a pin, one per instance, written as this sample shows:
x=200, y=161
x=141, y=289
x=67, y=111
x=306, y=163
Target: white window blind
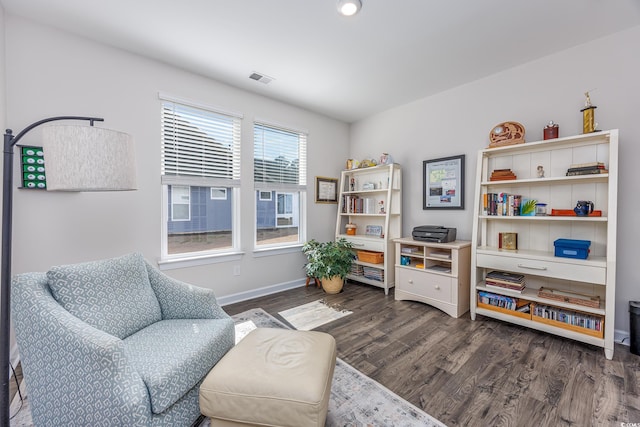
x=280, y=158
x=199, y=146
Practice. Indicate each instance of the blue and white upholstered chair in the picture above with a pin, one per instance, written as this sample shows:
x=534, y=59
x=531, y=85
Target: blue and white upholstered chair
x=115, y=342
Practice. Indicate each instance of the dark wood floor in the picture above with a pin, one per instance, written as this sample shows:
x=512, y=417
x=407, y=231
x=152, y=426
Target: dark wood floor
x=473, y=373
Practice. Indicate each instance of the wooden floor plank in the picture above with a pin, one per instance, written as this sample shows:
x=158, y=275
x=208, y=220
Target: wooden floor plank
x=473, y=373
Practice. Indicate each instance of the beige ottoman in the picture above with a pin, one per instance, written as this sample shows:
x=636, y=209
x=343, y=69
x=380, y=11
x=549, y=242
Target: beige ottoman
x=273, y=377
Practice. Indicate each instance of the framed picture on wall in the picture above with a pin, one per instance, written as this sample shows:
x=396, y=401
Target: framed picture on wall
x=443, y=183
x=326, y=190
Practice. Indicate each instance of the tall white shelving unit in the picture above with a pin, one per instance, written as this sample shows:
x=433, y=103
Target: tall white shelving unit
x=371, y=199
x=534, y=256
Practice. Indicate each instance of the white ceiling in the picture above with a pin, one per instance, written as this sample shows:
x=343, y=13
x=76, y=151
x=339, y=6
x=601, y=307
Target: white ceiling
x=391, y=53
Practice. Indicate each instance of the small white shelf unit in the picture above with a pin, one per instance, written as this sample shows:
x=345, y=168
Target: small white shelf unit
x=436, y=274
x=371, y=199
x=534, y=256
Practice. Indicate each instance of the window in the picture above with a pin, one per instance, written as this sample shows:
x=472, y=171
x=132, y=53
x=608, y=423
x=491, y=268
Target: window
x=285, y=209
x=280, y=168
x=218, y=194
x=265, y=196
x=201, y=179
x=180, y=203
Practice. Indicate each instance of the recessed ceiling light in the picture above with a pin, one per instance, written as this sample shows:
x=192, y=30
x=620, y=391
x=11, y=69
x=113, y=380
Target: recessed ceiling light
x=349, y=7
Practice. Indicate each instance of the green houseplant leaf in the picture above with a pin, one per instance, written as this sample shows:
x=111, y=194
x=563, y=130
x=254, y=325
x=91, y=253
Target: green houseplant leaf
x=328, y=259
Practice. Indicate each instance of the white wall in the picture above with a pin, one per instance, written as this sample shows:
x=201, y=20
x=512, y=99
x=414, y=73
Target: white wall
x=54, y=73
x=458, y=121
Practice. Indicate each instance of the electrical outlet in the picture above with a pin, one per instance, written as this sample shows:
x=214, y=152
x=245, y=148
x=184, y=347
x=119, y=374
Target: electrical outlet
x=236, y=270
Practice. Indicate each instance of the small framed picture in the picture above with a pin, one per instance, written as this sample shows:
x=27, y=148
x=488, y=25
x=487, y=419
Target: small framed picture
x=508, y=241
x=326, y=190
x=373, y=230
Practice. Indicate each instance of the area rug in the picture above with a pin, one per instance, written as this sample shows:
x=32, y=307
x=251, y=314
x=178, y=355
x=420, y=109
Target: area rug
x=309, y=316
x=356, y=400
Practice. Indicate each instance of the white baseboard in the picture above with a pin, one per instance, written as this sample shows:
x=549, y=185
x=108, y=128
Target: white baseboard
x=260, y=292
x=621, y=337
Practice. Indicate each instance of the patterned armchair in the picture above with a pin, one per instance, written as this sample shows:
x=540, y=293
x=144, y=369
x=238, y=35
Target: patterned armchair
x=116, y=342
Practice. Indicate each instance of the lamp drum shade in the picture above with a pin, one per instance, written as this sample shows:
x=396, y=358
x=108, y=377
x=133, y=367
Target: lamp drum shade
x=88, y=158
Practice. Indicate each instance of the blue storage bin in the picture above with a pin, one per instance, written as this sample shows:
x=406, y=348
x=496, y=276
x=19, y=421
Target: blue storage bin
x=570, y=248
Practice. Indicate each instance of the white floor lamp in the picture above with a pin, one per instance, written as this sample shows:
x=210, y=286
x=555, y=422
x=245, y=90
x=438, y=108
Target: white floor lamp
x=77, y=158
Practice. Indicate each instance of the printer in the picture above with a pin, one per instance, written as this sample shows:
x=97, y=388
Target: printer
x=434, y=233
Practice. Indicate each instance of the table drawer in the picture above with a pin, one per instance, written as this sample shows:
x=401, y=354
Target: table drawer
x=366, y=244
x=422, y=283
x=559, y=270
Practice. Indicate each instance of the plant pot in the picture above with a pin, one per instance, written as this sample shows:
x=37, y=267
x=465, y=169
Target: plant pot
x=332, y=285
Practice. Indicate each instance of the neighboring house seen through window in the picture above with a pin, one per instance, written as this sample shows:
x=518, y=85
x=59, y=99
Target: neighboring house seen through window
x=201, y=179
x=280, y=170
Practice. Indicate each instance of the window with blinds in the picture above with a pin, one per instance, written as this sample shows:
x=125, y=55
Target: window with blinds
x=280, y=178
x=200, y=158
x=199, y=143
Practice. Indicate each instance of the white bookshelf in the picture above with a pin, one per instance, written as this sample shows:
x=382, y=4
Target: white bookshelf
x=534, y=257
x=379, y=190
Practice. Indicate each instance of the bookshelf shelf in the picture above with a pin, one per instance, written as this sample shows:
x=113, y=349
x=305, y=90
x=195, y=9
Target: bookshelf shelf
x=534, y=257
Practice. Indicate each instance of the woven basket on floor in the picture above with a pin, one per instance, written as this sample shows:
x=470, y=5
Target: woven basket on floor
x=332, y=285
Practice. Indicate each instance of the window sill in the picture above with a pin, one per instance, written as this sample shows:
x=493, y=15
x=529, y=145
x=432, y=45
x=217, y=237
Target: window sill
x=279, y=250
x=193, y=261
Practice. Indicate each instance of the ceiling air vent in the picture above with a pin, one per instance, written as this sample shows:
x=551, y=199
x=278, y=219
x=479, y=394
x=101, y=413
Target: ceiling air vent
x=261, y=78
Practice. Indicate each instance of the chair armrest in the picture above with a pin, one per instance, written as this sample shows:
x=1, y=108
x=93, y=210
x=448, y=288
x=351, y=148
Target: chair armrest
x=179, y=300
x=75, y=373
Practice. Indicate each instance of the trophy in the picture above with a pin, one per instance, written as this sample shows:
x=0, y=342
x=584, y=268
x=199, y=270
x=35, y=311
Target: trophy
x=588, y=120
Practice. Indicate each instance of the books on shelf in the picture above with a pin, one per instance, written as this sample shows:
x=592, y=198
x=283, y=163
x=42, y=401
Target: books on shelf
x=503, y=280
x=373, y=273
x=574, y=318
x=506, y=276
x=502, y=174
x=509, y=303
x=501, y=204
x=357, y=204
x=498, y=287
x=586, y=165
x=586, y=169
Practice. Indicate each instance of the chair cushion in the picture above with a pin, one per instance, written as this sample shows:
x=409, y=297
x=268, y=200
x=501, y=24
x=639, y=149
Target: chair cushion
x=172, y=356
x=113, y=295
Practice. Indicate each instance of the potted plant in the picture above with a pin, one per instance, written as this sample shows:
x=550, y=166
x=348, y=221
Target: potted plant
x=329, y=261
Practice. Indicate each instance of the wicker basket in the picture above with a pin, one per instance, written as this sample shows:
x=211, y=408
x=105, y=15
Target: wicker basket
x=332, y=285
x=371, y=257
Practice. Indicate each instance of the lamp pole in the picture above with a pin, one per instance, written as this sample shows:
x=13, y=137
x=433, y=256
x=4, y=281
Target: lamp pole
x=5, y=280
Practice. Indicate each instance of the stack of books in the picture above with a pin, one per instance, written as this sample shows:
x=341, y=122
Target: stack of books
x=503, y=280
x=373, y=273
x=502, y=174
x=586, y=169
